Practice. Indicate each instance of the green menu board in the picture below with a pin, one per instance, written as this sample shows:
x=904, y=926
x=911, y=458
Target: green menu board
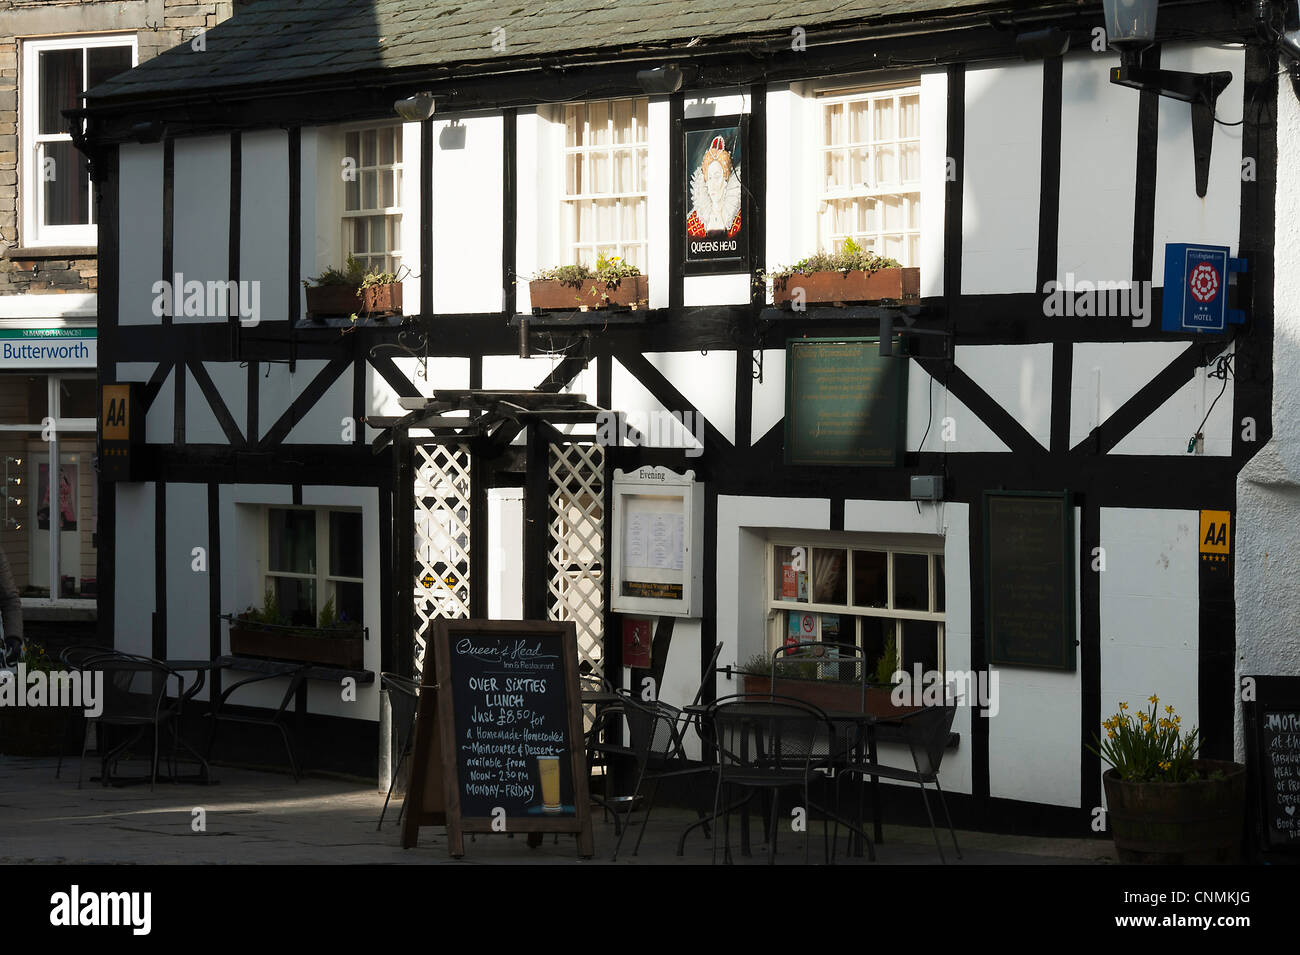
x=1029, y=579
x=845, y=405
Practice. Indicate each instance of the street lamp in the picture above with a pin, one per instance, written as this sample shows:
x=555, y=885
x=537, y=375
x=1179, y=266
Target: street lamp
x=1131, y=28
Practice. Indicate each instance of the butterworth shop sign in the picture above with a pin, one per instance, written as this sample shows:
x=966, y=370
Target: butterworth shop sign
x=24, y=348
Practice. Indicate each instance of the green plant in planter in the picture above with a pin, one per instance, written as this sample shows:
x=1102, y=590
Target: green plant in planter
x=34, y=658
x=1146, y=747
x=850, y=258
x=888, y=664
x=355, y=275
x=609, y=272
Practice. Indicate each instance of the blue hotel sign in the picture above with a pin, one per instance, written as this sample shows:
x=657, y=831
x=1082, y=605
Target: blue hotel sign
x=1196, y=288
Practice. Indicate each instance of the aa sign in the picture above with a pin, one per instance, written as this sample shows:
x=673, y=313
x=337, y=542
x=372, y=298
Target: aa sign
x=1216, y=532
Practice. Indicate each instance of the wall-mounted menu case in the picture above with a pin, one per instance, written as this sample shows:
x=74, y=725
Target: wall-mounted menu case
x=658, y=543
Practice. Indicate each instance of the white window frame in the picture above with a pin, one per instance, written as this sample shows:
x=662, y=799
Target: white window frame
x=320, y=574
x=774, y=607
x=32, y=194
x=399, y=185
x=572, y=245
x=910, y=190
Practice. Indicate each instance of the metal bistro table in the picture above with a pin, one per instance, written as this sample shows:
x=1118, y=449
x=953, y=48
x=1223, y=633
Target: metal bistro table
x=864, y=726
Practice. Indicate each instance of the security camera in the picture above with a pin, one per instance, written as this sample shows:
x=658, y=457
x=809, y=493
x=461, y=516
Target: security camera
x=415, y=109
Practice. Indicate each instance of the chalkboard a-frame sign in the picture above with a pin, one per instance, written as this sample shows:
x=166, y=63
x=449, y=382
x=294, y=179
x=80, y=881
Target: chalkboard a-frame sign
x=1272, y=723
x=1029, y=579
x=505, y=741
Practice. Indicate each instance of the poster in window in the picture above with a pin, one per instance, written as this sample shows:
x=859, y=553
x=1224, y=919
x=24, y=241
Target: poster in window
x=67, y=497
x=717, y=215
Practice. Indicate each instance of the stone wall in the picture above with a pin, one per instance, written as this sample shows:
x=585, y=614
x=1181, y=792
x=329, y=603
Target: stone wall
x=158, y=25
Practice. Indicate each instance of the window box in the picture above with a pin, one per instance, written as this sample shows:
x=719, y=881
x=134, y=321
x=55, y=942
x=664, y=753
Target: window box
x=883, y=285
x=632, y=292
x=327, y=646
x=377, y=300
x=830, y=695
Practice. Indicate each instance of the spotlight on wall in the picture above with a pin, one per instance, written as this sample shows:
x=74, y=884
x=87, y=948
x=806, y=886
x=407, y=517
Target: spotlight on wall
x=1043, y=44
x=661, y=79
x=415, y=109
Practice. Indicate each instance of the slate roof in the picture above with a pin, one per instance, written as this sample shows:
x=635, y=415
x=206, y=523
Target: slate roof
x=278, y=41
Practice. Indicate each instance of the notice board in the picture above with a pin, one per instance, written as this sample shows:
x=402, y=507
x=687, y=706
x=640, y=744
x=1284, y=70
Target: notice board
x=1272, y=721
x=506, y=731
x=1029, y=579
x=844, y=404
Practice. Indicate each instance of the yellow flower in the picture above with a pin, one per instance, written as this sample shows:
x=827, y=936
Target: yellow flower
x=1169, y=710
x=1111, y=734
x=1165, y=766
x=1123, y=706
x=1153, y=698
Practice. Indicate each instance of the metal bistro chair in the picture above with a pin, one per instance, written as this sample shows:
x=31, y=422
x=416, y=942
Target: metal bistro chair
x=296, y=676
x=655, y=735
x=403, y=701
x=81, y=660
x=767, y=745
x=818, y=660
x=135, y=697
x=926, y=733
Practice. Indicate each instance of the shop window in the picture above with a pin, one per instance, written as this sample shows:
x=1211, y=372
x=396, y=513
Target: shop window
x=604, y=205
x=869, y=172
x=314, y=562
x=372, y=197
x=886, y=600
x=57, y=197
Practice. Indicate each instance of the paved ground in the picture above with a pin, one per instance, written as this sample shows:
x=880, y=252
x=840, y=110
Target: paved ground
x=254, y=817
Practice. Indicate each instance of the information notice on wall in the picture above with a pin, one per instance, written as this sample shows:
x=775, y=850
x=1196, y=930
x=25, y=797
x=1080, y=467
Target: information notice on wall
x=1272, y=720
x=1029, y=579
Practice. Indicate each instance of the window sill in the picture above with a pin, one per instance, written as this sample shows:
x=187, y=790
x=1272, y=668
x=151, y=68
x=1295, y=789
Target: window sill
x=67, y=609
x=52, y=252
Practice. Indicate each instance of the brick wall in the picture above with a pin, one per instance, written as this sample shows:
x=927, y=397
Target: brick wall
x=159, y=25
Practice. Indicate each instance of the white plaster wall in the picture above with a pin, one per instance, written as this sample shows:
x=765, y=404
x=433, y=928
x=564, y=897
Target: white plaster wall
x=159, y=422
x=934, y=178
x=658, y=225
x=1105, y=375
x=1150, y=609
x=1001, y=181
x=320, y=207
x=467, y=213
x=505, y=553
x=410, y=226
x=1018, y=377
x=201, y=426
x=1267, y=533
x=201, y=214
x=1098, y=146
x=786, y=149
x=930, y=407
x=134, y=591
x=767, y=408
x=1034, y=737
x=188, y=621
x=1180, y=215
x=537, y=181
x=264, y=219
x=231, y=382
x=707, y=381
x=140, y=198
x=1168, y=429
x=629, y=395
x=324, y=421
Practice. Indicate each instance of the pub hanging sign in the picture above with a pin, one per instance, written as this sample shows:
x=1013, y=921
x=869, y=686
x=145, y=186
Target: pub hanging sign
x=717, y=216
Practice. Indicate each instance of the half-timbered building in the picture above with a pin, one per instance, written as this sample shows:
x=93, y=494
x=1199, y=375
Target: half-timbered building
x=455, y=461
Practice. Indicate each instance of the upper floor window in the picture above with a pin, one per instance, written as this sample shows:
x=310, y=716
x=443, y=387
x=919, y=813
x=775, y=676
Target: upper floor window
x=870, y=172
x=57, y=198
x=606, y=151
x=372, y=206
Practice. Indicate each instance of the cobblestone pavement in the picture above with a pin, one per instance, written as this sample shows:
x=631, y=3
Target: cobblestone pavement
x=256, y=817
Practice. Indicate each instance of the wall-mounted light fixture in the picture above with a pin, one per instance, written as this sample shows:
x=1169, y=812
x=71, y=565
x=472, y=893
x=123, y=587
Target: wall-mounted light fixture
x=1043, y=44
x=415, y=109
x=661, y=79
x=1131, y=28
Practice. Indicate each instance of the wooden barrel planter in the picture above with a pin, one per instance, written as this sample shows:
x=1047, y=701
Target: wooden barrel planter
x=1198, y=822
x=846, y=288
x=335, y=300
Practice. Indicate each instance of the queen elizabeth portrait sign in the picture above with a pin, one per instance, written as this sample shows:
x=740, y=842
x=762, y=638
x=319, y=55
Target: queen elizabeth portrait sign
x=717, y=215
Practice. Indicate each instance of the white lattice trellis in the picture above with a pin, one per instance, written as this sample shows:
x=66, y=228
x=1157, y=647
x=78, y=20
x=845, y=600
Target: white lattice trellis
x=442, y=540
x=577, y=511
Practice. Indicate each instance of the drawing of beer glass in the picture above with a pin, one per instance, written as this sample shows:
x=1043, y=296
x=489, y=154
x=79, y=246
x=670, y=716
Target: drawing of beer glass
x=548, y=768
